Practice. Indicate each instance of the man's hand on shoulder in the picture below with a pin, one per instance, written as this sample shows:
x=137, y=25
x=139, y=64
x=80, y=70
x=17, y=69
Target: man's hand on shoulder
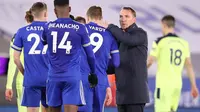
x=103, y=24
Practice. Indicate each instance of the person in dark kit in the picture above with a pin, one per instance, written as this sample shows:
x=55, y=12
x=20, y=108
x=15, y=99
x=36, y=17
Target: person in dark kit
x=131, y=76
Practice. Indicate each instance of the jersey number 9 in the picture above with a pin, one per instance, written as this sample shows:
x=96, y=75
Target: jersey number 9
x=175, y=57
x=35, y=45
x=98, y=43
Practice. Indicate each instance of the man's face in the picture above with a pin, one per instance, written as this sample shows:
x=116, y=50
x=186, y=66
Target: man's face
x=126, y=18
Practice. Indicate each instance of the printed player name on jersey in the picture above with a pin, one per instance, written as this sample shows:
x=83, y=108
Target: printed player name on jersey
x=34, y=28
x=61, y=25
x=97, y=28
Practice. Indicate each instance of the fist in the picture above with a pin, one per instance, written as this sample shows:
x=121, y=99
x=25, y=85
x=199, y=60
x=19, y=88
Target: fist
x=9, y=94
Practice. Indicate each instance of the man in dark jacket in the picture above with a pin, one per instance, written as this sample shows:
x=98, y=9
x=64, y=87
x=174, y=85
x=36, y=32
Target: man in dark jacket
x=131, y=76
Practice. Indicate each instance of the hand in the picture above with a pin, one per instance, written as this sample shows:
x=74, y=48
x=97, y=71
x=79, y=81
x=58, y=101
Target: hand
x=103, y=24
x=194, y=92
x=108, y=99
x=9, y=94
x=93, y=80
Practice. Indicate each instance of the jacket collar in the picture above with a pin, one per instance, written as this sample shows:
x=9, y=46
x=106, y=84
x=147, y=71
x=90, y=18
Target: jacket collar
x=171, y=35
x=130, y=28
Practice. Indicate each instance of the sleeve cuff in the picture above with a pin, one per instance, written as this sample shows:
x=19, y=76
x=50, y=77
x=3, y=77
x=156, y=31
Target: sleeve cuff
x=114, y=51
x=86, y=45
x=16, y=48
x=8, y=87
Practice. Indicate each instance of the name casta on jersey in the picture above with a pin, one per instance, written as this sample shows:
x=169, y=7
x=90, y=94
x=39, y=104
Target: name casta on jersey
x=34, y=28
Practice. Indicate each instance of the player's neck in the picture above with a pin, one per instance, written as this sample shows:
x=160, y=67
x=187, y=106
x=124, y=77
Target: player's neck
x=171, y=30
x=95, y=21
x=40, y=19
x=63, y=16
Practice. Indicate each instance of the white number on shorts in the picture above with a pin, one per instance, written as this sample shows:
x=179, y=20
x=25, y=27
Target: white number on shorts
x=62, y=45
x=35, y=45
x=98, y=43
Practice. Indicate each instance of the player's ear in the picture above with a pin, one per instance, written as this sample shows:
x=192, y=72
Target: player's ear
x=134, y=19
x=45, y=14
x=69, y=8
x=87, y=19
x=55, y=11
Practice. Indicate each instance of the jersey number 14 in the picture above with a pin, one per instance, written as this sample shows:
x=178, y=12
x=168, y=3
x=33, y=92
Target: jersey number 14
x=62, y=45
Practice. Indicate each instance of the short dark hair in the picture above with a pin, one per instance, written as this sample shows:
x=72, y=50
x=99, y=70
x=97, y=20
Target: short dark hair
x=61, y=3
x=37, y=8
x=131, y=9
x=169, y=20
x=95, y=12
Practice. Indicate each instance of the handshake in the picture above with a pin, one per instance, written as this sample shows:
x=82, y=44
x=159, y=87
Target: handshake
x=93, y=80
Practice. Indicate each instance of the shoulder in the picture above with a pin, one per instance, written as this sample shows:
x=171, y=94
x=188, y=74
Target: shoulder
x=159, y=39
x=110, y=26
x=21, y=30
x=80, y=26
x=12, y=40
x=140, y=30
x=77, y=23
x=109, y=34
x=168, y=37
x=49, y=22
x=46, y=25
x=185, y=42
x=134, y=28
x=182, y=39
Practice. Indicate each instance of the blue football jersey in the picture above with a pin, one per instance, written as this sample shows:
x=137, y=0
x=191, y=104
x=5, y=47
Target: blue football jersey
x=103, y=44
x=66, y=39
x=28, y=38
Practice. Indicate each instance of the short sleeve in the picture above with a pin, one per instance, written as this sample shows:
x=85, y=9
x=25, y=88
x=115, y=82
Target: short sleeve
x=155, y=50
x=18, y=42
